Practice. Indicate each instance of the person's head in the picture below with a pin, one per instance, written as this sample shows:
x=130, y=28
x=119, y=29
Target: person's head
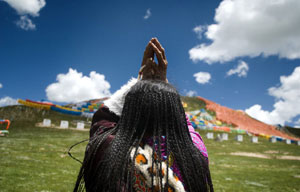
x=151, y=109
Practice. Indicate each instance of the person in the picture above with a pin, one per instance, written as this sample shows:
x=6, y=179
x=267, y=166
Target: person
x=141, y=140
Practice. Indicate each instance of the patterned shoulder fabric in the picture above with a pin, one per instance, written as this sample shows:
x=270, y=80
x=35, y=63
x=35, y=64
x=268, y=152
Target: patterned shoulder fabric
x=142, y=180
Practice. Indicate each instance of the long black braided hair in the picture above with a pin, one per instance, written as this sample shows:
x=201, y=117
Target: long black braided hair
x=152, y=109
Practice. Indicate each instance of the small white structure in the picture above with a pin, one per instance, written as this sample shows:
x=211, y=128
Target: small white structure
x=80, y=125
x=239, y=138
x=254, y=139
x=224, y=136
x=273, y=139
x=46, y=122
x=218, y=138
x=64, y=124
x=298, y=142
x=288, y=141
x=210, y=135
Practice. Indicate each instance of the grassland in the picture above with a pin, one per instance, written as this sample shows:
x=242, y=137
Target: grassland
x=240, y=173
x=35, y=159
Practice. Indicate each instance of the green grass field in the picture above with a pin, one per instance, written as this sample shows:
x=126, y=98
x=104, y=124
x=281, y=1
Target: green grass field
x=36, y=159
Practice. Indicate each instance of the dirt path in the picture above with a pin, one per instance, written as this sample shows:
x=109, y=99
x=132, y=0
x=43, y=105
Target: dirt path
x=264, y=156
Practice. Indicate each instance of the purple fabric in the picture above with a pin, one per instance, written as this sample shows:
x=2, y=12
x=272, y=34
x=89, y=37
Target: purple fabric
x=197, y=139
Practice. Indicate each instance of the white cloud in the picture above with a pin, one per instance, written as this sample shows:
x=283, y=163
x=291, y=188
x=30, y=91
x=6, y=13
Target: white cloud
x=74, y=87
x=287, y=104
x=5, y=101
x=148, y=14
x=256, y=112
x=190, y=93
x=25, y=23
x=241, y=70
x=252, y=28
x=202, y=77
x=26, y=8
x=1, y=85
x=297, y=123
x=199, y=30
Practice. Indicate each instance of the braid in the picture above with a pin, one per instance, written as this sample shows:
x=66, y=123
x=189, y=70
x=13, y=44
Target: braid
x=178, y=152
x=153, y=154
x=152, y=108
x=164, y=120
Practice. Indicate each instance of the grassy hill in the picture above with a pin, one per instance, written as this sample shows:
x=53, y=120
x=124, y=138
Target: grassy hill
x=292, y=130
x=20, y=114
x=193, y=103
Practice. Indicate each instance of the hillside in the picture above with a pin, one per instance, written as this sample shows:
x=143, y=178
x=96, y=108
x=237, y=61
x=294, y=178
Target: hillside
x=226, y=117
x=20, y=114
x=291, y=130
x=243, y=121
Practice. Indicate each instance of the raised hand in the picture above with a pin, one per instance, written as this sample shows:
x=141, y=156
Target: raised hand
x=149, y=69
x=161, y=71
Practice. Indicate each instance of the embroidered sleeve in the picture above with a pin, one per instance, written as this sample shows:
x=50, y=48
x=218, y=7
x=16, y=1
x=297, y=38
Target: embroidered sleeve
x=197, y=139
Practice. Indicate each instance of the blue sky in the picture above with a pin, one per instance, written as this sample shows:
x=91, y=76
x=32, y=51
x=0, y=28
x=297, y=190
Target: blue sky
x=257, y=41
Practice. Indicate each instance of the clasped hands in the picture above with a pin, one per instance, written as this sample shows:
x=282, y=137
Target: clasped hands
x=149, y=69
